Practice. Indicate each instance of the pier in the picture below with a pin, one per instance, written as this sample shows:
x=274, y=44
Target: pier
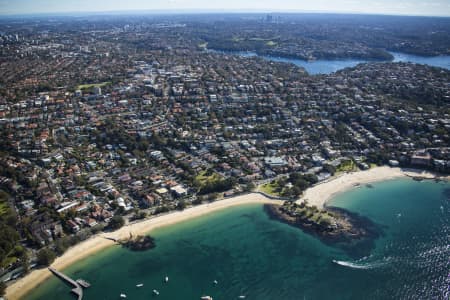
x=77, y=290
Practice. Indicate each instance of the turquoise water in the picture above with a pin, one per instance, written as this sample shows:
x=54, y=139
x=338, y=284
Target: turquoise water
x=323, y=66
x=249, y=254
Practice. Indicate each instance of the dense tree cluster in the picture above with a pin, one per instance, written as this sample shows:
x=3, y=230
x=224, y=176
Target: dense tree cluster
x=217, y=186
x=45, y=257
x=10, y=249
x=300, y=182
x=116, y=222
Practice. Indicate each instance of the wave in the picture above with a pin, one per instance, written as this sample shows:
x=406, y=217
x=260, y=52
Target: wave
x=364, y=266
x=435, y=251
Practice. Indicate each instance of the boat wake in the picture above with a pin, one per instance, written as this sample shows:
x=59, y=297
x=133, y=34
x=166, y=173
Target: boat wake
x=364, y=266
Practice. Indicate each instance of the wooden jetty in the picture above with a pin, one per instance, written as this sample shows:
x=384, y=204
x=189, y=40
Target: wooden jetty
x=77, y=290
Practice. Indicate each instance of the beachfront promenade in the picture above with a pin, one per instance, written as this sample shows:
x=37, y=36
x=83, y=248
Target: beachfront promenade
x=77, y=290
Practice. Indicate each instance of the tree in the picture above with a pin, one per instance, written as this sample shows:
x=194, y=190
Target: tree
x=45, y=257
x=296, y=191
x=2, y=288
x=97, y=228
x=116, y=222
x=161, y=209
x=329, y=168
x=181, y=205
x=301, y=184
x=25, y=262
x=140, y=215
x=325, y=222
x=212, y=197
x=197, y=201
x=249, y=187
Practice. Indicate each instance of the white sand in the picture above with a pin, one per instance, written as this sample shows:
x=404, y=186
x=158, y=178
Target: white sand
x=321, y=193
x=98, y=242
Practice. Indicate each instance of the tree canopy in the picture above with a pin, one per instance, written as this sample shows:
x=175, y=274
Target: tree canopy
x=45, y=257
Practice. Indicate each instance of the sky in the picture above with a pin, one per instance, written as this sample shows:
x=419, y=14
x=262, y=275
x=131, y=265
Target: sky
x=393, y=7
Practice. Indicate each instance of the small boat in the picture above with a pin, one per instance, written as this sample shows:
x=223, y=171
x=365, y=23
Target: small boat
x=241, y=297
x=166, y=279
x=123, y=296
x=83, y=283
x=215, y=282
x=206, y=298
x=155, y=292
x=140, y=285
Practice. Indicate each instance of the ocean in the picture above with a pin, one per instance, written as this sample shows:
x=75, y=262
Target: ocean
x=250, y=255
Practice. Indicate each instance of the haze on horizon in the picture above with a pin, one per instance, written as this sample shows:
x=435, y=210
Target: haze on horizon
x=400, y=7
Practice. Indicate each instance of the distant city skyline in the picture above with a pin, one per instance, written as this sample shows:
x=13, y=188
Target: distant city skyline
x=401, y=7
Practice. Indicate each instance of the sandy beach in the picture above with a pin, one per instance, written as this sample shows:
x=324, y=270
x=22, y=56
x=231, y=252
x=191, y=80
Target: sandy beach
x=321, y=193
x=96, y=243
x=317, y=195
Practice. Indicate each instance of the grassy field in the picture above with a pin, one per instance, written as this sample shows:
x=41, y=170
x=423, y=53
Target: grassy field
x=321, y=216
x=3, y=202
x=90, y=86
x=347, y=166
x=3, y=208
x=312, y=214
x=203, y=178
x=9, y=260
x=271, y=188
x=271, y=43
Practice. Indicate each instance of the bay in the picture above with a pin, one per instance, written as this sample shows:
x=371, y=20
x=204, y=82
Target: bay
x=250, y=254
x=325, y=66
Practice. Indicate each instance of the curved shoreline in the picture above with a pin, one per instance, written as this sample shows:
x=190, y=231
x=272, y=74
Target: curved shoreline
x=24, y=285
x=323, y=192
x=317, y=195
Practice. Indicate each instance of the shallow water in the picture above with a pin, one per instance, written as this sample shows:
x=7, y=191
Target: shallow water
x=249, y=254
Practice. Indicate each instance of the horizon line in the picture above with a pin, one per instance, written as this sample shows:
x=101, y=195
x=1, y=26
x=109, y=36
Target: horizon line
x=204, y=11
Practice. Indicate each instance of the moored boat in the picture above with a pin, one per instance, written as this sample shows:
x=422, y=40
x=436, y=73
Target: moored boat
x=83, y=283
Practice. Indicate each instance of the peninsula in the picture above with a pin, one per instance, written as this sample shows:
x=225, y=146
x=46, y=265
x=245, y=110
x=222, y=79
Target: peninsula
x=331, y=225
x=108, y=122
x=101, y=241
